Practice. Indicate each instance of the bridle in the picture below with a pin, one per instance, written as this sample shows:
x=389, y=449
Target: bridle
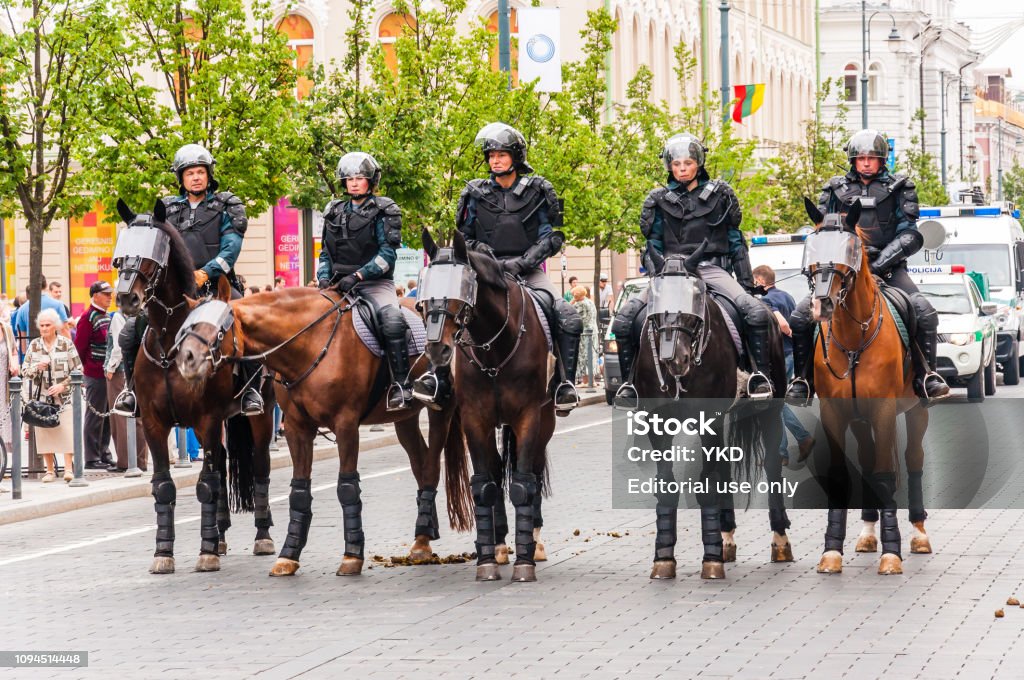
x=465, y=343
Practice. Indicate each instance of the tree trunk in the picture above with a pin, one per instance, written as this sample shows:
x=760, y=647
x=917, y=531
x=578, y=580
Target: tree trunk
x=35, y=272
x=595, y=291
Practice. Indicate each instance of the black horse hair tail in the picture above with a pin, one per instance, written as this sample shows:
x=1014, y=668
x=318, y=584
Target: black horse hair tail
x=240, y=447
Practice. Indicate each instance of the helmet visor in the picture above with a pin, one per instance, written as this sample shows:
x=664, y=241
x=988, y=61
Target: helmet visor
x=683, y=147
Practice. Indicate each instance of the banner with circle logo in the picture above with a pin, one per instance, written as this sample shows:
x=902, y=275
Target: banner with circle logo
x=540, y=54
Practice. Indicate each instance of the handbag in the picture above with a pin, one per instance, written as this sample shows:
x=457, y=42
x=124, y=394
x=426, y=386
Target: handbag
x=39, y=413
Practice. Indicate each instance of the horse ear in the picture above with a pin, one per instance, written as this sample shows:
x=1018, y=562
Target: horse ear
x=813, y=212
x=125, y=212
x=159, y=211
x=428, y=244
x=461, y=251
x=852, y=216
x=223, y=289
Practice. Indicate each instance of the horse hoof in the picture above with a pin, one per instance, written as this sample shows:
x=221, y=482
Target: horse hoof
x=867, y=543
x=222, y=548
x=350, y=566
x=782, y=553
x=263, y=546
x=208, y=563
x=487, y=572
x=712, y=571
x=524, y=573
x=728, y=552
x=890, y=565
x=284, y=567
x=919, y=543
x=539, y=553
x=162, y=565
x=501, y=554
x=421, y=552
x=831, y=563
x=663, y=569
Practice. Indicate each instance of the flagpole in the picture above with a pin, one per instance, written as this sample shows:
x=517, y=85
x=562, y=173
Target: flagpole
x=504, y=41
x=724, y=8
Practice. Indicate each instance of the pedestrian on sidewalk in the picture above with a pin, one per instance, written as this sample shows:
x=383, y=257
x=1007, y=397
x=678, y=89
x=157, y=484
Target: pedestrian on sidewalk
x=91, y=343
x=49, y=361
x=8, y=368
x=113, y=369
x=588, y=315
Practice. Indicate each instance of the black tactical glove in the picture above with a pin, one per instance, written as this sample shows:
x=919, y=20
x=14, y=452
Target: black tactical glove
x=899, y=249
x=515, y=266
x=347, y=283
x=323, y=283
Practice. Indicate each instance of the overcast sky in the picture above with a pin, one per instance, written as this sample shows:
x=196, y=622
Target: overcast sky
x=982, y=15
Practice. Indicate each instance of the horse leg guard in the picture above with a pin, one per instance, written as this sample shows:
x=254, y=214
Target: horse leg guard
x=915, y=497
x=665, y=521
x=835, y=530
x=300, y=515
x=885, y=485
x=500, y=518
x=261, y=505
x=711, y=533
x=208, y=493
x=522, y=489
x=426, y=517
x=352, y=513
x=485, y=493
x=164, y=493
x=778, y=520
x=223, y=518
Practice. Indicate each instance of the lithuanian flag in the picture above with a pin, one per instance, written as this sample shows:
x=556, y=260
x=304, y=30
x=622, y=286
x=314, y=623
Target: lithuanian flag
x=748, y=100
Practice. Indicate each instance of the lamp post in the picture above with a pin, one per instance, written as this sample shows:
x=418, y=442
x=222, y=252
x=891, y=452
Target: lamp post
x=723, y=7
x=865, y=54
x=999, y=159
x=943, y=91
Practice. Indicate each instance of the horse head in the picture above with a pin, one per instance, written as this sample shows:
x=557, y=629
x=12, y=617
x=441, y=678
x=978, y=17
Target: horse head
x=833, y=256
x=677, y=310
x=202, y=339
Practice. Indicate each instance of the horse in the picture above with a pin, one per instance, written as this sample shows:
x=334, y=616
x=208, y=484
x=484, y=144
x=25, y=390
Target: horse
x=501, y=379
x=327, y=377
x=155, y=273
x=864, y=376
x=692, y=359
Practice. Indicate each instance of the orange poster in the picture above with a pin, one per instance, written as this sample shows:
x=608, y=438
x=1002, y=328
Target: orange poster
x=90, y=248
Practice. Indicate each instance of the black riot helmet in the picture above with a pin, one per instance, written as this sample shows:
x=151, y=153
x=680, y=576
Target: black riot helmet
x=682, y=146
x=359, y=164
x=870, y=143
x=189, y=156
x=502, y=137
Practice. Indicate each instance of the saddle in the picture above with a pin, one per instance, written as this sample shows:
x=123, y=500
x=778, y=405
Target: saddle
x=902, y=310
x=544, y=303
x=364, y=318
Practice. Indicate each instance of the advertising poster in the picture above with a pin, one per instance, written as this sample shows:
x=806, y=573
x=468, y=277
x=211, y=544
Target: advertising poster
x=287, y=251
x=90, y=248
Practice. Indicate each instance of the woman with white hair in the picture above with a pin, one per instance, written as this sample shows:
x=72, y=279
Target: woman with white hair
x=47, y=371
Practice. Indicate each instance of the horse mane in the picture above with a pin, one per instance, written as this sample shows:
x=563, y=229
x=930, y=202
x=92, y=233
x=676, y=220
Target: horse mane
x=488, y=269
x=180, y=260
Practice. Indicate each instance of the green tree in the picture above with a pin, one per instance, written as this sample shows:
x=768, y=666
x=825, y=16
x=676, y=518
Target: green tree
x=53, y=57
x=224, y=78
x=1013, y=184
x=923, y=169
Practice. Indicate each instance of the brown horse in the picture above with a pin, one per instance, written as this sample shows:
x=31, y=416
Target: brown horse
x=484, y=320
x=156, y=274
x=864, y=378
x=328, y=378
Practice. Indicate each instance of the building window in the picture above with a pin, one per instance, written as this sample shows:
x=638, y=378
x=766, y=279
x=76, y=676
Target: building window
x=513, y=29
x=299, y=32
x=874, y=81
x=850, y=82
x=391, y=28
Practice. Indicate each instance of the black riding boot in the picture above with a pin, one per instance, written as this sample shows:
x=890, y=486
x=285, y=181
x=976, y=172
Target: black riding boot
x=566, y=398
x=934, y=387
x=433, y=387
x=125, y=404
x=400, y=392
x=626, y=397
x=758, y=340
x=801, y=389
x=252, y=401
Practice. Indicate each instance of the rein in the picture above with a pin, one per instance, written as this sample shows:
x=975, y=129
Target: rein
x=468, y=348
x=853, y=356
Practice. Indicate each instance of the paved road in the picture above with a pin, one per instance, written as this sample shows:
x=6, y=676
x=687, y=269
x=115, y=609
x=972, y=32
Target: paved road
x=79, y=581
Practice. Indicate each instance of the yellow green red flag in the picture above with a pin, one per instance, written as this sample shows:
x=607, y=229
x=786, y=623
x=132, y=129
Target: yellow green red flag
x=748, y=100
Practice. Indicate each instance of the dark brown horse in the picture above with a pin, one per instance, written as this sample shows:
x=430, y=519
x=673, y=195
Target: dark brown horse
x=692, y=366
x=484, y=321
x=156, y=275
x=864, y=379
x=328, y=378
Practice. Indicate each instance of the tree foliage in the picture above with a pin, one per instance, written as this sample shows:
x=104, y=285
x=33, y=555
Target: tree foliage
x=922, y=168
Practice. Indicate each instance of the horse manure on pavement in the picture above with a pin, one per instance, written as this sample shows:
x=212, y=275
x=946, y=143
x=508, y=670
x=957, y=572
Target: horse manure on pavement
x=406, y=561
x=1013, y=602
x=999, y=613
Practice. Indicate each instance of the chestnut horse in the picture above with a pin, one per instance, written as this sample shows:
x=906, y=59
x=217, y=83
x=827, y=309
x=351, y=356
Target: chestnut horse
x=156, y=273
x=326, y=377
x=864, y=378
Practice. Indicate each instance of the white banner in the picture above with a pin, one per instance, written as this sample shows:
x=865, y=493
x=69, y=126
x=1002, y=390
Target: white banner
x=540, y=54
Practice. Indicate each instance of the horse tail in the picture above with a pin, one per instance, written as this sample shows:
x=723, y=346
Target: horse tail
x=241, y=454
x=456, y=478
x=754, y=429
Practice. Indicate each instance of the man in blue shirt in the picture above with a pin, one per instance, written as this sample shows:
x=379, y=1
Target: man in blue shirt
x=23, y=315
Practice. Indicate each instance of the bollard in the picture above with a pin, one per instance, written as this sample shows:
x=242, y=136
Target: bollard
x=133, y=453
x=14, y=390
x=76, y=409
x=183, y=459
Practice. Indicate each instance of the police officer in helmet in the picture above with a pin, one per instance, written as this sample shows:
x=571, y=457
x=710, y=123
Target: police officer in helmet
x=360, y=237
x=512, y=215
x=212, y=225
x=676, y=219
x=888, y=223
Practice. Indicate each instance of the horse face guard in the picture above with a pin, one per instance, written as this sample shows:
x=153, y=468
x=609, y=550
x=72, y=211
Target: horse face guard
x=215, y=313
x=829, y=252
x=677, y=303
x=446, y=289
x=141, y=250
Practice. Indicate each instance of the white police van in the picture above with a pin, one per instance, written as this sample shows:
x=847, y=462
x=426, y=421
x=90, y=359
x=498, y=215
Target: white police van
x=784, y=253
x=985, y=239
x=967, y=327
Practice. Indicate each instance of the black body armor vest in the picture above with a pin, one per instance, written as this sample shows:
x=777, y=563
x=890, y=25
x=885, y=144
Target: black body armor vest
x=350, y=238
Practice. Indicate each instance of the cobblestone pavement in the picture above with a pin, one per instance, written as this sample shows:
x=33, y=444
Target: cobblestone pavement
x=79, y=581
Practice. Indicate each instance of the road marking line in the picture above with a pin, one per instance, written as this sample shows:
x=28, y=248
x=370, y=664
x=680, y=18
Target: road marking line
x=195, y=518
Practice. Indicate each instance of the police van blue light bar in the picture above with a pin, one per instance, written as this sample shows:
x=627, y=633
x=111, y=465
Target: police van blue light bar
x=936, y=269
x=955, y=211
x=777, y=238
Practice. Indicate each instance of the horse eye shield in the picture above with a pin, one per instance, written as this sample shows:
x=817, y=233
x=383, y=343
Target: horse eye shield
x=440, y=284
x=217, y=313
x=824, y=253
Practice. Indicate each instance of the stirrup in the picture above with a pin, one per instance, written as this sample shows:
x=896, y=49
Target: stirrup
x=403, y=392
x=802, y=400
x=252, y=403
x=924, y=387
x=564, y=409
x=762, y=396
x=626, y=398
x=427, y=389
x=118, y=407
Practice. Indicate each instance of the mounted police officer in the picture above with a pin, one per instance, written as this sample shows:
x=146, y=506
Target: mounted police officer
x=888, y=222
x=511, y=216
x=212, y=225
x=360, y=238
x=677, y=219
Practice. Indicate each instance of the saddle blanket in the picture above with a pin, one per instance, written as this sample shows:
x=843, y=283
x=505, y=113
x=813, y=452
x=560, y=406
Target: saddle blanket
x=417, y=335
x=543, y=318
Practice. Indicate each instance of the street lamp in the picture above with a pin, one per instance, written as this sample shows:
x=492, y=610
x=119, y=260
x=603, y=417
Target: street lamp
x=865, y=52
x=944, y=90
x=999, y=162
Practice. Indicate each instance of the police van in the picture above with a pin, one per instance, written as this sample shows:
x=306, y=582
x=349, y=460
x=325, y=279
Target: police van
x=985, y=239
x=784, y=253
